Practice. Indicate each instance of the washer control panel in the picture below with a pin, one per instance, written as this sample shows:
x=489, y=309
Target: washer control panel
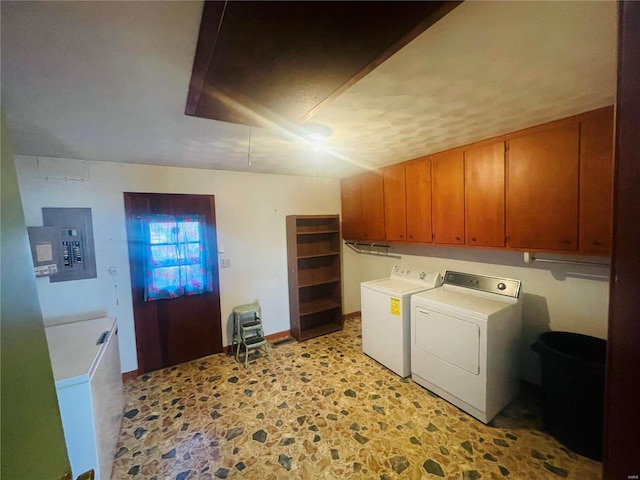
x=416, y=274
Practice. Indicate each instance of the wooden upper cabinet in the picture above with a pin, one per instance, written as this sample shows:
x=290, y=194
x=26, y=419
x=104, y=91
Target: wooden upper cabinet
x=418, y=200
x=542, y=188
x=484, y=195
x=395, y=224
x=596, y=181
x=552, y=191
x=351, y=204
x=447, y=170
x=372, y=226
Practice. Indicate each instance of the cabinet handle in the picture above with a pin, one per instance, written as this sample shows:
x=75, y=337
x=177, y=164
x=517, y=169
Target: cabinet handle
x=565, y=242
x=457, y=238
x=597, y=243
x=473, y=239
x=103, y=337
x=401, y=236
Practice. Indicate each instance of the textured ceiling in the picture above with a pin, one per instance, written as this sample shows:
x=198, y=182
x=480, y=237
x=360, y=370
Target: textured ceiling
x=108, y=81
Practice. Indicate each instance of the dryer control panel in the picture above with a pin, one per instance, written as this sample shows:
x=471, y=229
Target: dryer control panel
x=497, y=285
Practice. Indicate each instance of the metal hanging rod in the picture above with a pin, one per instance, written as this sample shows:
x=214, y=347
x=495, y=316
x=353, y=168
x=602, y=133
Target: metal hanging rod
x=354, y=246
x=529, y=258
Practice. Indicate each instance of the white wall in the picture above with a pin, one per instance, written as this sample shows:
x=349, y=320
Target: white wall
x=555, y=297
x=250, y=211
x=250, y=216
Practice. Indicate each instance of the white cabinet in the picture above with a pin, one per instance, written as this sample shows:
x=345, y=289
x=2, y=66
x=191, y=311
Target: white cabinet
x=86, y=367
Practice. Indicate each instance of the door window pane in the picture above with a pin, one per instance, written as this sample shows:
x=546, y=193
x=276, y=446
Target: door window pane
x=177, y=261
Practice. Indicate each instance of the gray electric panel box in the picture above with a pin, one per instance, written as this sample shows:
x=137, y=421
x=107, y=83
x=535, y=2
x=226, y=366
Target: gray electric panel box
x=74, y=241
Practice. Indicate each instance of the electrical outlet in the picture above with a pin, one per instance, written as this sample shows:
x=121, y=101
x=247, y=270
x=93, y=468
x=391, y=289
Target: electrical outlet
x=225, y=263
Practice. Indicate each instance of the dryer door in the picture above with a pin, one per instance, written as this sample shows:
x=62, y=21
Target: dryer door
x=448, y=338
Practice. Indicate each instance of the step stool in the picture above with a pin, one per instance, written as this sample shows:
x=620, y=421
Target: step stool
x=247, y=330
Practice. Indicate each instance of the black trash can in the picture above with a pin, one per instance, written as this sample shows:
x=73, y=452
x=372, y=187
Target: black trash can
x=573, y=389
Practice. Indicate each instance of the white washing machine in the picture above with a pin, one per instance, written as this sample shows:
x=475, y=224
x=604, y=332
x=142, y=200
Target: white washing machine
x=466, y=342
x=386, y=315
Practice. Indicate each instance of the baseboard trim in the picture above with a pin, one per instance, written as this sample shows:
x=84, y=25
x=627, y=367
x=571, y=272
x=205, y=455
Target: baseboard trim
x=274, y=337
x=127, y=376
x=352, y=315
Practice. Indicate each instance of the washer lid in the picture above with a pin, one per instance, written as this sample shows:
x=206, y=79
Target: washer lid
x=393, y=286
x=469, y=303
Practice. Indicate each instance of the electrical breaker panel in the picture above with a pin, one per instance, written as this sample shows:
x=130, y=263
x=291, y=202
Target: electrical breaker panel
x=73, y=242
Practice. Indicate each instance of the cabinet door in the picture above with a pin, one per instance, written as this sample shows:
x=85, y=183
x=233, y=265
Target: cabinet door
x=484, y=195
x=418, y=198
x=447, y=169
x=596, y=181
x=395, y=223
x=542, y=189
x=372, y=227
x=351, y=201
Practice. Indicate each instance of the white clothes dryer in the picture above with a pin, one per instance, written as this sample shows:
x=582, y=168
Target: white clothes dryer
x=386, y=315
x=466, y=342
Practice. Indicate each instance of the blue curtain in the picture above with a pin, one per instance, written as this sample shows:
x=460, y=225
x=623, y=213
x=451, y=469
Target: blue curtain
x=177, y=261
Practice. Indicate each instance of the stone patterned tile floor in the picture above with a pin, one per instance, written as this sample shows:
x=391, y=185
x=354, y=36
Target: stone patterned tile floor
x=322, y=409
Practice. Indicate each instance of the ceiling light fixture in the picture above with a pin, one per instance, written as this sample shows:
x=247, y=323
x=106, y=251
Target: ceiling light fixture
x=315, y=134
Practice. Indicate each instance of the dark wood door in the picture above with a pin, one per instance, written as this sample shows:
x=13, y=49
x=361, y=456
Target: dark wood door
x=484, y=195
x=418, y=198
x=621, y=452
x=395, y=219
x=447, y=170
x=173, y=330
x=542, y=189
